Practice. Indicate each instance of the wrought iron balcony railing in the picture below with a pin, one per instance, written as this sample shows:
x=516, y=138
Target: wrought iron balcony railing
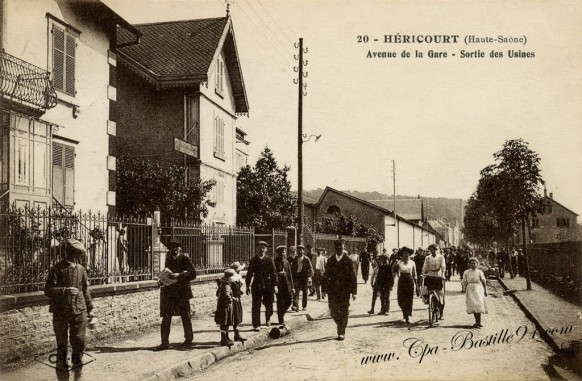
x=24, y=82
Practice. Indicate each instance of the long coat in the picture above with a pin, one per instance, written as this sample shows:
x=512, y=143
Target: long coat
x=174, y=298
x=339, y=278
x=300, y=278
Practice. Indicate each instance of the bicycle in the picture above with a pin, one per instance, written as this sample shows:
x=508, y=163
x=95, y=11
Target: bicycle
x=435, y=312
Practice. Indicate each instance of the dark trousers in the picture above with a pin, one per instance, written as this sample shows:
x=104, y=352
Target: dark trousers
x=261, y=296
x=501, y=267
x=186, y=323
x=339, y=306
x=385, y=301
x=283, y=303
x=303, y=288
x=317, y=278
x=513, y=269
x=71, y=328
x=374, y=297
x=449, y=271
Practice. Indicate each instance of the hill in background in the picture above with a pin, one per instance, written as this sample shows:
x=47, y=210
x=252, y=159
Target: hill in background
x=408, y=207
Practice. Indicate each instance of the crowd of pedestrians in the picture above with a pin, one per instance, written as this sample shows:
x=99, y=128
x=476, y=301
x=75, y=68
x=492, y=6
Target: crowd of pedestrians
x=282, y=279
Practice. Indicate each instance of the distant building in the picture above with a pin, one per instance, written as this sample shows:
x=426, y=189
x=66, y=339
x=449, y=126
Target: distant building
x=182, y=89
x=556, y=224
x=396, y=230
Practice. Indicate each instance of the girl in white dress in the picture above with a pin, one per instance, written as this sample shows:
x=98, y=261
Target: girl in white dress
x=476, y=291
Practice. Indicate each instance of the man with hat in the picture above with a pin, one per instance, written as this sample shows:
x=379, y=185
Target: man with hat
x=292, y=254
x=318, y=270
x=339, y=281
x=261, y=281
x=175, y=297
x=70, y=302
x=302, y=273
x=285, y=286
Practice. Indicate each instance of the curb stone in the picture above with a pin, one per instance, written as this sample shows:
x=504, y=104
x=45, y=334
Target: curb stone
x=201, y=362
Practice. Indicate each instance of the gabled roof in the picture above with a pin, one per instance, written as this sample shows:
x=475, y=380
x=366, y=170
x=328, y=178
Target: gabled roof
x=181, y=53
x=359, y=200
x=556, y=202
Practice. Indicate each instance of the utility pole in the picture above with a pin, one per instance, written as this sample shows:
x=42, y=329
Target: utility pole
x=300, y=141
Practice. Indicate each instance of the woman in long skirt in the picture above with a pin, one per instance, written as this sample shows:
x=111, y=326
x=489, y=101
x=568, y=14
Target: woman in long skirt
x=406, y=277
x=476, y=291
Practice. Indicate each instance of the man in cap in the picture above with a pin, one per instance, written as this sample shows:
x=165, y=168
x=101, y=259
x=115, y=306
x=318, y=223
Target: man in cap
x=302, y=273
x=292, y=254
x=318, y=271
x=285, y=285
x=261, y=281
x=175, y=297
x=70, y=302
x=339, y=281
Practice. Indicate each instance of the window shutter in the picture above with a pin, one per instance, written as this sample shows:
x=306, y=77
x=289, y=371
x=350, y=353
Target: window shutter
x=58, y=58
x=69, y=175
x=64, y=174
x=70, y=65
x=58, y=175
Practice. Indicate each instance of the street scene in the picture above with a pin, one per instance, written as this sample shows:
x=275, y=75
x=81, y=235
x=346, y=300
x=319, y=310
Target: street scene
x=315, y=190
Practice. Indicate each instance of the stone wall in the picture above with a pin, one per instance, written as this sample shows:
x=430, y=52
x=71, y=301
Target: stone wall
x=123, y=310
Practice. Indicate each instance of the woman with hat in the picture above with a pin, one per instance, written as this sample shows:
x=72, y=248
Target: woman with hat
x=225, y=306
x=476, y=291
x=407, y=275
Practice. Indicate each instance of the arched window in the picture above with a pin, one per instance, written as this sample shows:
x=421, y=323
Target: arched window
x=333, y=209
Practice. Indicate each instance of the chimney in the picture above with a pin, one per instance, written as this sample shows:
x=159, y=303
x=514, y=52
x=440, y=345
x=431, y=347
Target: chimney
x=552, y=195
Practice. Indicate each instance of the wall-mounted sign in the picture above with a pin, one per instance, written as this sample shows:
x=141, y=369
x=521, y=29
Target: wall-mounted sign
x=185, y=148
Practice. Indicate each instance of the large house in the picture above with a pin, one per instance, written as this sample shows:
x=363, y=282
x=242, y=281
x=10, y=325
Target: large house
x=556, y=224
x=57, y=103
x=181, y=90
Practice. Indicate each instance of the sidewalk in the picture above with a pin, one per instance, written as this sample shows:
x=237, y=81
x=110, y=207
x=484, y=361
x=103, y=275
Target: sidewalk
x=135, y=360
x=559, y=322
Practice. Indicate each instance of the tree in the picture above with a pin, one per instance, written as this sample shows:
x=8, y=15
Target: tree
x=144, y=186
x=507, y=195
x=348, y=225
x=263, y=195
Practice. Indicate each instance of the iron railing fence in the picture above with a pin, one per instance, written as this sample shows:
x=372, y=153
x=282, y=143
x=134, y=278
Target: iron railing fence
x=118, y=249
x=273, y=239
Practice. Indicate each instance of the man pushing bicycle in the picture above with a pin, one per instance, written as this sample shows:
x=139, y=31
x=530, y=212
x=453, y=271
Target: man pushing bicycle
x=434, y=270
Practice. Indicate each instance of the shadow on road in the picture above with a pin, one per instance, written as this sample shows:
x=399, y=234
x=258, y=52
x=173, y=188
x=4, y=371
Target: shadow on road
x=282, y=344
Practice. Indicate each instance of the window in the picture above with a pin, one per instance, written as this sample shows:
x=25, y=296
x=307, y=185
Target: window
x=64, y=174
x=548, y=208
x=29, y=152
x=334, y=209
x=535, y=223
x=562, y=222
x=219, y=137
x=63, y=51
x=219, y=76
x=218, y=192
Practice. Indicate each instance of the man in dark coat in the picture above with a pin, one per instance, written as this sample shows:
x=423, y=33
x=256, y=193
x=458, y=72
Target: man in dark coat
x=175, y=297
x=285, y=285
x=261, y=281
x=70, y=302
x=384, y=283
x=302, y=272
x=365, y=257
x=339, y=281
x=501, y=261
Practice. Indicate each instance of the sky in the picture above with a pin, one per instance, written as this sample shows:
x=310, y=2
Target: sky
x=440, y=119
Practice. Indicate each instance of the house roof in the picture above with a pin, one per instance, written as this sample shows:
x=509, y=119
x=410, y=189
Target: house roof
x=98, y=10
x=556, y=202
x=409, y=208
x=181, y=53
x=359, y=200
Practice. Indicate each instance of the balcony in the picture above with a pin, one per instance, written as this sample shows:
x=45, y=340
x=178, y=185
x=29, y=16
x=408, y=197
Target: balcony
x=25, y=84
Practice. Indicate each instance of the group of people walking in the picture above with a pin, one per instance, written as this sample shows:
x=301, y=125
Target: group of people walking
x=268, y=279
